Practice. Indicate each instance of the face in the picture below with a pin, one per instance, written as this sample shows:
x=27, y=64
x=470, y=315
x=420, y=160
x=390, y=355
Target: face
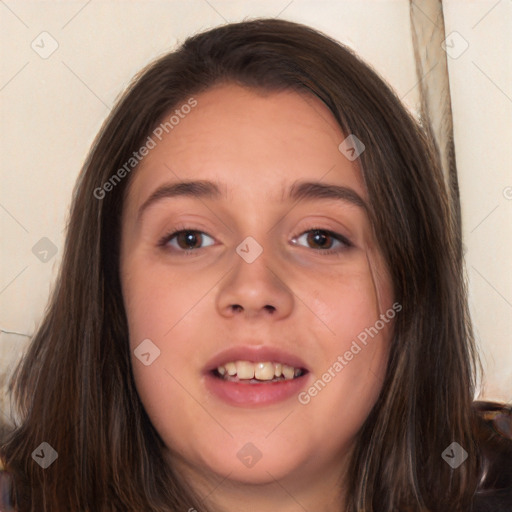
x=259, y=274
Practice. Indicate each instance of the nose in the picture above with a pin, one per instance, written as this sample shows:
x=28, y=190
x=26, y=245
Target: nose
x=255, y=289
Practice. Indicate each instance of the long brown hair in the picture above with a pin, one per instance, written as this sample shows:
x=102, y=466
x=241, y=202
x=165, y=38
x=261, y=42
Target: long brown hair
x=75, y=389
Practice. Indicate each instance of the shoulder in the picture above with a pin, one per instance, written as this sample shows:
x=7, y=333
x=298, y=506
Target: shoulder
x=493, y=432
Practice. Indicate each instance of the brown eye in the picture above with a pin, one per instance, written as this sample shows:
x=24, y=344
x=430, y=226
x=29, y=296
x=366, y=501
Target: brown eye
x=185, y=240
x=323, y=240
x=188, y=239
x=320, y=238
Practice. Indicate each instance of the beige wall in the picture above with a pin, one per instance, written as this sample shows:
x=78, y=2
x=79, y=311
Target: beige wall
x=481, y=85
x=52, y=108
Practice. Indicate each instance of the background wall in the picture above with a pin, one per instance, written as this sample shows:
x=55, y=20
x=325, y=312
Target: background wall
x=64, y=63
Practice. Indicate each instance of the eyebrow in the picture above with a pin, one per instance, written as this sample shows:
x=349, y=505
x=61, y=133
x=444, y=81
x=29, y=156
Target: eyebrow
x=301, y=190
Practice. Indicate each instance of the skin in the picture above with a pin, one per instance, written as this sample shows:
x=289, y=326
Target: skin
x=254, y=144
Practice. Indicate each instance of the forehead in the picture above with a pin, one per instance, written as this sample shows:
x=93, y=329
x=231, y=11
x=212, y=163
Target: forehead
x=253, y=143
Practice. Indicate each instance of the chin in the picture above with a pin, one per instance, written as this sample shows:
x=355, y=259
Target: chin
x=252, y=463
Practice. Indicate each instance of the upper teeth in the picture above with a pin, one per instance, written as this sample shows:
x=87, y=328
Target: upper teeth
x=261, y=371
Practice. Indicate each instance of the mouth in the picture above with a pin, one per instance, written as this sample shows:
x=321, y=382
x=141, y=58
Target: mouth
x=248, y=372
x=255, y=376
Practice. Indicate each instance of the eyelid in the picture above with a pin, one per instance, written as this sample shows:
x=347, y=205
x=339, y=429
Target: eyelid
x=335, y=234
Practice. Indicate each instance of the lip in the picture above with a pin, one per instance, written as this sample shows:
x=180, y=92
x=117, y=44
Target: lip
x=255, y=354
x=252, y=395
x=245, y=394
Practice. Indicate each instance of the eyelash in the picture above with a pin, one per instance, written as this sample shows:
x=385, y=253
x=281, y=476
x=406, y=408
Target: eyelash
x=325, y=252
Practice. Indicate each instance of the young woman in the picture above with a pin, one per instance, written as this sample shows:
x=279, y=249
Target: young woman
x=261, y=303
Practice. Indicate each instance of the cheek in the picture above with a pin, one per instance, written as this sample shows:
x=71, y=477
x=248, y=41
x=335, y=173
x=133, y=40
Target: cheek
x=157, y=299
x=347, y=303
x=356, y=309
x=341, y=395
x=164, y=309
x=166, y=385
